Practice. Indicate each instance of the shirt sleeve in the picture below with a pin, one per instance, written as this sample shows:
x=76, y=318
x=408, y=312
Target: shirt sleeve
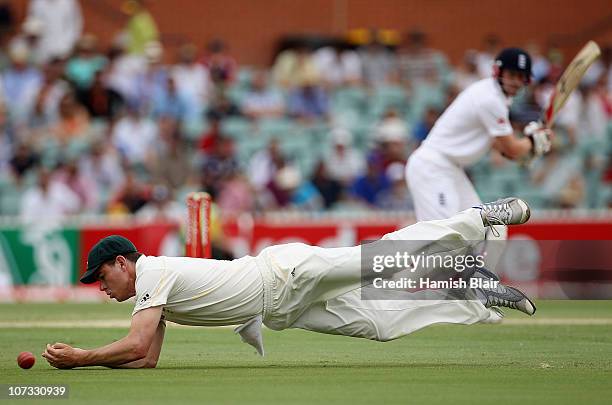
x=153, y=288
x=494, y=115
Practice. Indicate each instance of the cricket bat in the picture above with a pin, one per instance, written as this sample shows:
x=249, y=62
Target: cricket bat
x=570, y=79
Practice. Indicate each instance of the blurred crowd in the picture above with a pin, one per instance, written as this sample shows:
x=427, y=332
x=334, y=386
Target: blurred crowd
x=132, y=128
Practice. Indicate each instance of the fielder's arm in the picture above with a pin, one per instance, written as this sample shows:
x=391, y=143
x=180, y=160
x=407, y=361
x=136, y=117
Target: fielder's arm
x=150, y=361
x=134, y=347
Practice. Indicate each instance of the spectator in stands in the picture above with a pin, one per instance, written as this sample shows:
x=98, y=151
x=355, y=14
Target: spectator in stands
x=131, y=196
x=153, y=86
x=265, y=164
x=192, y=80
x=292, y=66
x=236, y=195
x=61, y=26
x=29, y=37
x=168, y=102
x=416, y=61
x=73, y=121
x=173, y=161
x=540, y=66
x=560, y=179
x=82, y=67
x=262, y=101
x=20, y=84
x=379, y=63
x=309, y=101
x=50, y=196
x=219, y=166
x=210, y=137
x=391, y=135
x=102, y=166
x=100, y=100
x=23, y=160
x=135, y=136
x=329, y=189
x=220, y=64
x=222, y=106
x=141, y=27
x=337, y=66
x=368, y=187
x=69, y=173
x=596, y=111
x=162, y=207
x=422, y=128
x=491, y=46
x=291, y=191
x=123, y=70
x=344, y=163
x=467, y=73
x=50, y=94
x=396, y=197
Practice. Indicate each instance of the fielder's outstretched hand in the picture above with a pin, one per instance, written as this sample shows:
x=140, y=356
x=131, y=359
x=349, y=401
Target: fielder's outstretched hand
x=61, y=355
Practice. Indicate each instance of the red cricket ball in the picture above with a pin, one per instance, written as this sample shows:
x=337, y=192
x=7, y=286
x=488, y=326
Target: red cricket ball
x=26, y=360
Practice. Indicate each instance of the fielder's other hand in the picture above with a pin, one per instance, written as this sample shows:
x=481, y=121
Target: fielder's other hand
x=540, y=137
x=61, y=355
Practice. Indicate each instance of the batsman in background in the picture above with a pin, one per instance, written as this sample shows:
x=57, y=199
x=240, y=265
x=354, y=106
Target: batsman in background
x=476, y=121
x=285, y=286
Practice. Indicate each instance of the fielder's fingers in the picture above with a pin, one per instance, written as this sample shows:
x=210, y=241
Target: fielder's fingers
x=51, y=352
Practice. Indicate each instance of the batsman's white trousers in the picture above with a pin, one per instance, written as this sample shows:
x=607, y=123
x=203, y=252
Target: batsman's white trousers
x=319, y=289
x=440, y=189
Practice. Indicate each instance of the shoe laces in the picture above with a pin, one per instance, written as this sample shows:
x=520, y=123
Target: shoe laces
x=496, y=301
x=496, y=214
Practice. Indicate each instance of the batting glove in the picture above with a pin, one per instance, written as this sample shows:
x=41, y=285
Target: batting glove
x=539, y=136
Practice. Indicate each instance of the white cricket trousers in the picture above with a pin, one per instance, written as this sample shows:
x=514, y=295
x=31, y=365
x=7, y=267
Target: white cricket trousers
x=319, y=289
x=440, y=189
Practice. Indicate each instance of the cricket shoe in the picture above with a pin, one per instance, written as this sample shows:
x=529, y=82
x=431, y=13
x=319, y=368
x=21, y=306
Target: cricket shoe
x=507, y=211
x=504, y=296
x=496, y=315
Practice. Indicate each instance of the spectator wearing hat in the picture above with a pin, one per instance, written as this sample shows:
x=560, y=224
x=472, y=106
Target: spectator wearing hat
x=61, y=26
x=20, y=84
x=344, y=162
x=391, y=135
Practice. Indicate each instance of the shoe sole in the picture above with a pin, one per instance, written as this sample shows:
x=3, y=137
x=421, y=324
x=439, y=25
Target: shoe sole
x=525, y=210
x=527, y=299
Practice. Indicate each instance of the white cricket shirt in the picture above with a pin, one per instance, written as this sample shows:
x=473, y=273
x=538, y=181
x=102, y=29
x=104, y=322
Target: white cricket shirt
x=200, y=292
x=465, y=131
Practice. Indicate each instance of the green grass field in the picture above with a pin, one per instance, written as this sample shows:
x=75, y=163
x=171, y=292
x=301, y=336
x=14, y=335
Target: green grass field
x=562, y=355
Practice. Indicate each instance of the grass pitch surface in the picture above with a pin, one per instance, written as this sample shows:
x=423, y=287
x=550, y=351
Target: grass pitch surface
x=562, y=355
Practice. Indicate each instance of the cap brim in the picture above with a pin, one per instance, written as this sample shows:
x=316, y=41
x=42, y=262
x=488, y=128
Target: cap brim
x=90, y=276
